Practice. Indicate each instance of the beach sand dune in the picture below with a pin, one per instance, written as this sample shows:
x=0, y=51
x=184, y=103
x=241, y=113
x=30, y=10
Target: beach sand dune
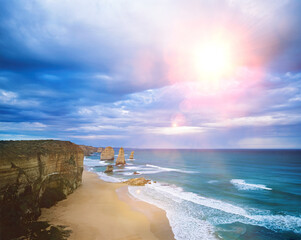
x=105, y=211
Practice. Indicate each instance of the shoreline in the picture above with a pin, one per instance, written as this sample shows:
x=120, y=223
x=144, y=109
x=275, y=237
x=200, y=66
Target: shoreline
x=103, y=210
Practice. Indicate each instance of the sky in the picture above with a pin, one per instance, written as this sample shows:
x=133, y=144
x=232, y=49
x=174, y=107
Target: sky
x=152, y=73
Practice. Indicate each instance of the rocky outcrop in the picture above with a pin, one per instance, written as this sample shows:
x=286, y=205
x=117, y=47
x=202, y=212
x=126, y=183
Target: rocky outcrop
x=132, y=155
x=88, y=150
x=137, y=181
x=99, y=150
x=107, y=154
x=109, y=169
x=35, y=174
x=120, y=159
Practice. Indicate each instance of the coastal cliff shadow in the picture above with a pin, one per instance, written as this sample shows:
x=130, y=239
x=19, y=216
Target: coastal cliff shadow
x=39, y=230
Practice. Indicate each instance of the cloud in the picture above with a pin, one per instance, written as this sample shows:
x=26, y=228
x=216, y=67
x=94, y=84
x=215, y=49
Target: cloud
x=268, y=143
x=122, y=72
x=98, y=137
x=268, y=120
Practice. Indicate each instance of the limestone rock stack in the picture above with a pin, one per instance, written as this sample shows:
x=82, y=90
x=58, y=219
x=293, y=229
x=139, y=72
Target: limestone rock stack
x=120, y=159
x=137, y=181
x=109, y=169
x=107, y=154
x=132, y=155
x=99, y=150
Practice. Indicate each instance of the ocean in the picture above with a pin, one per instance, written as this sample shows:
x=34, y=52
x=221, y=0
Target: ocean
x=218, y=194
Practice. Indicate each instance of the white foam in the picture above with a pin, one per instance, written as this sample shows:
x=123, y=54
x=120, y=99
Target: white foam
x=216, y=211
x=240, y=184
x=184, y=226
x=165, y=169
x=134, y=167
x=94, y=163
x=125, y=173
x=195, y=198
x=212, y=181
x=278, y=222
x=151, y=169
x=108, y=178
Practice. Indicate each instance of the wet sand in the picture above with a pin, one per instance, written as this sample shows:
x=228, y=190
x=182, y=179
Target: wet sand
x=105, y=211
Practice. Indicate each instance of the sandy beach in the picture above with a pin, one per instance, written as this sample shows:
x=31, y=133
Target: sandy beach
x=101, y=210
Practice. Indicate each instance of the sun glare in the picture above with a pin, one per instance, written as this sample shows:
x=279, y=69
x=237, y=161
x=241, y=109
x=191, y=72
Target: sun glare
x=213, y=60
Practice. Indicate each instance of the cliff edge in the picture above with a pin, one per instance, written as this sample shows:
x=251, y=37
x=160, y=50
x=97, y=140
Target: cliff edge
x=35, y=174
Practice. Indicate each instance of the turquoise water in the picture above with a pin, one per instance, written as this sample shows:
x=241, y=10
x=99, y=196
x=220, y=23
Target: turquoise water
x=219, y=194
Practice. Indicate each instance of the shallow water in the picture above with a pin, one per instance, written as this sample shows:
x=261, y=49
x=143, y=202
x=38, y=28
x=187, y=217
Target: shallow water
x=219, y=194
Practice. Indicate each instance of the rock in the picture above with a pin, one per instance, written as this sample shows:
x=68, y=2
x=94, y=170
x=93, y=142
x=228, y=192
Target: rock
x=132, y=155
x=120, y=159
x=35, y=174
x=88, y=150
x=109, y=169
x=135, y=173
x=107, y=154
x=99, y=150
x=137, y=181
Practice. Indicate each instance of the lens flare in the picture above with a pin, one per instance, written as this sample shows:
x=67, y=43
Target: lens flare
x=214, y=60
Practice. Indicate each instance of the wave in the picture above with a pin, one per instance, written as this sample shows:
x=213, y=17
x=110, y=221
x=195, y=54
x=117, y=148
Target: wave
x=95, y=163
x=150, y=169
x=193, y=216
x=184, y=225
x=240, y=184
x=186, y=207
x=108, y=178
x=165, y=169
x=195, y=198
x=213, y=181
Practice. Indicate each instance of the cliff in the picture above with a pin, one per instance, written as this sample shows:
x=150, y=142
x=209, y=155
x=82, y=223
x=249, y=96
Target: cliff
x=35, y=174
x=88, y=150
x=120, y=159
x=107, y=154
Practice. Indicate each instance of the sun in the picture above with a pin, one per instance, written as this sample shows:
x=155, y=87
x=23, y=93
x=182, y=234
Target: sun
x=213, y=59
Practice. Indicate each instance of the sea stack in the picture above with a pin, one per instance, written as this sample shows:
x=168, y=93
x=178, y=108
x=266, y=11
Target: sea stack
x=132, y=155
x=137, y=181
x=109, y=169
x=107, y=154
x=120, y=159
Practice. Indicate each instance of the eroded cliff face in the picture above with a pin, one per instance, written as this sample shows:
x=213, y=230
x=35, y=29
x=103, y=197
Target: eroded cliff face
x=35, y=174
x=88, y=150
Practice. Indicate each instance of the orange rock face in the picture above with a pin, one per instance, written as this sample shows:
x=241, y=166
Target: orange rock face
x=107, y=154
x=137, y=181
x=35, y=174
x=132, y=155
x=120, y=159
